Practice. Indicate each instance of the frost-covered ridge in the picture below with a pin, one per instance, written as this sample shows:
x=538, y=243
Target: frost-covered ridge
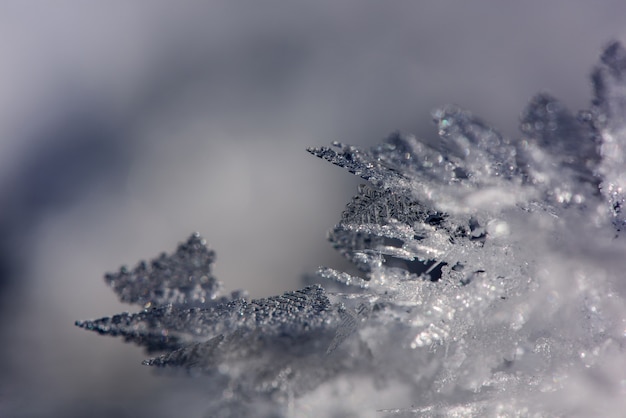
x=488, y=281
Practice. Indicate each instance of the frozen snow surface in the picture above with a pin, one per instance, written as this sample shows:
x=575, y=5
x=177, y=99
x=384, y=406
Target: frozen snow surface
x=488, y=280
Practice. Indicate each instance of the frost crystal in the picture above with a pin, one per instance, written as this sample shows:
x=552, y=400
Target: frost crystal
x=488, y=280
x=183, y=277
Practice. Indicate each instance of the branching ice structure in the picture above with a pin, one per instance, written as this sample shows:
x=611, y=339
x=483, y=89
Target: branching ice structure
x=488, y=281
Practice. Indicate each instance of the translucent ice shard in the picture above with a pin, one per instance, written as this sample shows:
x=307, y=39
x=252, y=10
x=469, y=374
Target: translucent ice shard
x=557, y=145
x=486, y=153
x=169, y=326
x=609, y=80
x=610, y=109
x=235, y=327
x=196, y=355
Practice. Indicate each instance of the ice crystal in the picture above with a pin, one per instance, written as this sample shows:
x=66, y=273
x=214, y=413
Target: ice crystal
x=487, y=279
x=183, y=277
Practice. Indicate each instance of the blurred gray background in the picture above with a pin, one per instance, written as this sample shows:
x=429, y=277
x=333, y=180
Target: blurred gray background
x=125, y=126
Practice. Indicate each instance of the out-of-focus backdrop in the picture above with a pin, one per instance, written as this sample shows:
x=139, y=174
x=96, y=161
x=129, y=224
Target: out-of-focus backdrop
x=125, y=126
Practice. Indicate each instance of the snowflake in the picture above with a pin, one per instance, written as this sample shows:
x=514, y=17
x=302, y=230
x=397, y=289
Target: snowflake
x=486, y=281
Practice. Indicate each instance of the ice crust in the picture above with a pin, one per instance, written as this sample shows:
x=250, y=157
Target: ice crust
x=488, y=281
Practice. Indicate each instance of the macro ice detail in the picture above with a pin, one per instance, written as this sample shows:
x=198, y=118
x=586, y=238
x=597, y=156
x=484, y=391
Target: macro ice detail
x=488, y=280
x=183, y=277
